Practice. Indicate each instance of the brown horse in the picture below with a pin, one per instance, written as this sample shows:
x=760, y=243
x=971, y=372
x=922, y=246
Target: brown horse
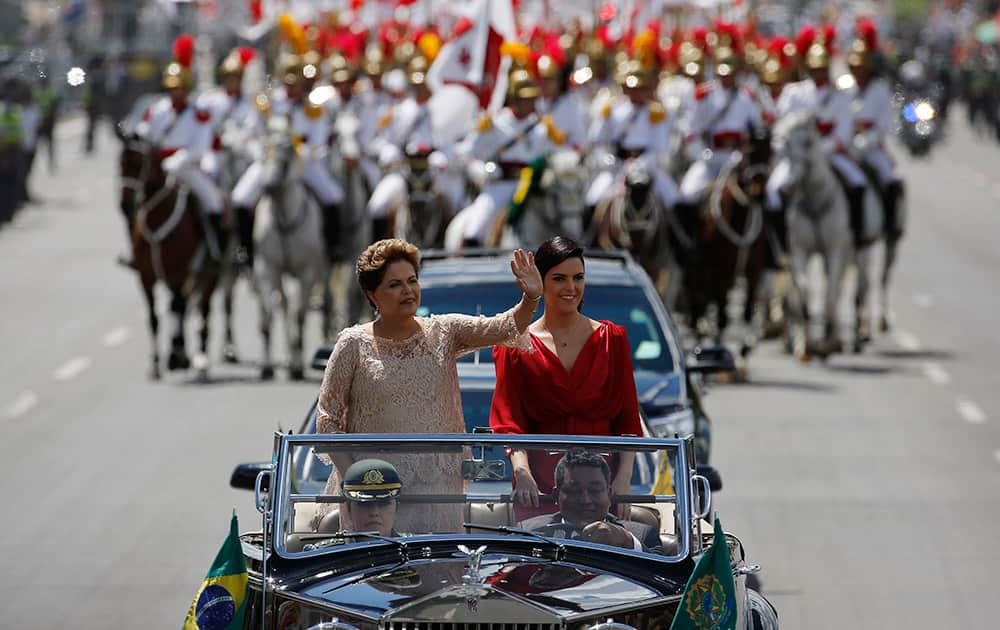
x=730, y=242
x=635, y=220
x=167, y=248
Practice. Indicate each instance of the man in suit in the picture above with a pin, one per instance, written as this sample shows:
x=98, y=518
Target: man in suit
x=583, y=493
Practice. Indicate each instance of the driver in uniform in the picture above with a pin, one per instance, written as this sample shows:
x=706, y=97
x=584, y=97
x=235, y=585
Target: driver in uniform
x=583, y=493
x=372, y=488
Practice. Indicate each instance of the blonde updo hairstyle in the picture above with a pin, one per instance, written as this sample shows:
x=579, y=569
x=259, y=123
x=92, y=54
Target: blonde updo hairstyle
x=375, y=260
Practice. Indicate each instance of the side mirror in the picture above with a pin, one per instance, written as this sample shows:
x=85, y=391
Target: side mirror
x=712, y=474
x=244, y=476
x=710, y=360
x=321, y=356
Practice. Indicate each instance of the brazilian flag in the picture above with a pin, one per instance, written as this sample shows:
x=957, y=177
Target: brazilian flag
x=221, y=601
x=709, y=600
x=531, y=177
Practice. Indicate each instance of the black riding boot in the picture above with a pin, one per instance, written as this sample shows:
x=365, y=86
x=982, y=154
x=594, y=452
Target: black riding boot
x=244, y=230
x=331, y=231
x=687, y=218
x=856, y=206
x=890, y=202
x=380, y=229
x=214, y=223
x=776, y=225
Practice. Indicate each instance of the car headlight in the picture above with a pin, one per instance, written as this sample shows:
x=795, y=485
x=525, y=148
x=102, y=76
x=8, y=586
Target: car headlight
x=677, y=420
x=924, y=111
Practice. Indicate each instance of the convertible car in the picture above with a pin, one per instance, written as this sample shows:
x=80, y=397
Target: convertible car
x=450, y=549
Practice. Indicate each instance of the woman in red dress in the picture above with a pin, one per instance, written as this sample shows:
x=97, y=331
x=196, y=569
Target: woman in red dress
x=575, y=379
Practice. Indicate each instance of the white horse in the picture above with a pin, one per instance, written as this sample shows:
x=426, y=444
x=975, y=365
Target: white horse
x=556, y=208
x=355, y=227
x=818, y=223
x=289, y=244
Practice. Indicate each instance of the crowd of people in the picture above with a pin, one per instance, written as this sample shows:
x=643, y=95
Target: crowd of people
x=678, y=103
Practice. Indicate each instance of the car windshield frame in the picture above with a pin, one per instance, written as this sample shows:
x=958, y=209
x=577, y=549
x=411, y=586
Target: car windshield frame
x=284, y=496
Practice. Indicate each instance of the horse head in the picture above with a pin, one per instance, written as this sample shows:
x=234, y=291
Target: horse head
x=797, y=141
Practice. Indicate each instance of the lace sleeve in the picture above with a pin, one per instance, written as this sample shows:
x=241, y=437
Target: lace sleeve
x=469, y=332
x=335, y=391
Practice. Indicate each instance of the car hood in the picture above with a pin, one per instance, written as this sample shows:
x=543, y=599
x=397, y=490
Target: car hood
x=514, y=589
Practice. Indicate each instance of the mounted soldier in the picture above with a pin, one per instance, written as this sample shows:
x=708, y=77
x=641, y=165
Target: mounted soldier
x=496, y=152
x=236, y=123
x=180, y=134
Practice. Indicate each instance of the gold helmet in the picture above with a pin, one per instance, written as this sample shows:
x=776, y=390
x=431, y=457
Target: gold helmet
x=522, y=84
x=548, y=67
x=819, y=53
x=341, y=70
x=634, y=74
x=726, y=61
x=403, y=53
x=779, y=66
x=290, y=69
x=374, y=63
x=692, y=60
x=236, y=61
x=417, y=70
x=178, y=72
x=863, y=49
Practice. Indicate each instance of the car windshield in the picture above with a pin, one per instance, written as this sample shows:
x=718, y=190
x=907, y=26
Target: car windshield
x=397, y=487
x=625, y=306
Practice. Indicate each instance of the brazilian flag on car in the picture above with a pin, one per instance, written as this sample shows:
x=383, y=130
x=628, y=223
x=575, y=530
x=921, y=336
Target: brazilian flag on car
x=221, y=601
x=709, y=600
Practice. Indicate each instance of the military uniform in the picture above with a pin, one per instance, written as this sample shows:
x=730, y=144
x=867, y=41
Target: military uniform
x=633, y=130
x=721, y=121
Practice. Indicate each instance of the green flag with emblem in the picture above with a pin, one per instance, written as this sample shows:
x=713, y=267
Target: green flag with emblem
x=531, y=177
x=220, y=603
x=709, y=600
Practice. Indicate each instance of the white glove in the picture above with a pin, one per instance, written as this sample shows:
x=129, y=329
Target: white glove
x=388, y=155
x=438, y=161
x=174, y=163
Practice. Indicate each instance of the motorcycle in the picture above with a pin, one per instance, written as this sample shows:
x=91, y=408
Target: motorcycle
x=919, y=125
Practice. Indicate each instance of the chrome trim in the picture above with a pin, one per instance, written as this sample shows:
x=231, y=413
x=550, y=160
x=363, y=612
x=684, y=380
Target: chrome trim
x=707, y=494
x=608, y=625
x=333, y=625
x=259, y=498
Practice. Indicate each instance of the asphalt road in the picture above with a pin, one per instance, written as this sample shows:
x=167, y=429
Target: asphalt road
x=867, y=487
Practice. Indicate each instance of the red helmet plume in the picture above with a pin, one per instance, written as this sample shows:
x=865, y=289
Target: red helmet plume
x=184, y=50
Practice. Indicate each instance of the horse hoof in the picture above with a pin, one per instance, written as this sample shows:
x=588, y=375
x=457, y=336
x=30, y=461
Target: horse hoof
x=178, y=362
x=266, y=373
x=296, y=373
x=229, y=354
x=884, y=324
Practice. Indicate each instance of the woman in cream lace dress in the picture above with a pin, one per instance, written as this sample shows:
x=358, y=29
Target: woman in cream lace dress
x=398, y=373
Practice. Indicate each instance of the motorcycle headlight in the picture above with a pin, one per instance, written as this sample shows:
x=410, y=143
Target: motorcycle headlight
x=924, y=111
x=679, y=420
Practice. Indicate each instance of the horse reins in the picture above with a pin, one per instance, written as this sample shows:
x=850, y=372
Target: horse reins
x=743, y=241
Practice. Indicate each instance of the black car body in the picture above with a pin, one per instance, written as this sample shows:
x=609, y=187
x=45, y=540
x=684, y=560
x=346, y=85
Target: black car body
x=487, y=573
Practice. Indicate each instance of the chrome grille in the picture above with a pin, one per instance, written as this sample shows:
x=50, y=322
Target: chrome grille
x=433, y=625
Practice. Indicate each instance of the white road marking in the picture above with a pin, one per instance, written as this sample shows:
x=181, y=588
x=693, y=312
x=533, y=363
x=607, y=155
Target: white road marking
x=117, y=337
x=21, y=405
x=997, y=456
x=936, y=374
x=71, y=369
x=907, y=341
x=923, y=300
x=970, y=411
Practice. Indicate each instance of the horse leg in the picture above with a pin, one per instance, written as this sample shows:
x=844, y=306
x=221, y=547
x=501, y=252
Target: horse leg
x=154, y=328
x=229, y=354
x=834, y=265
x=891, y=243
x=205, y=309
x=294, y=327
x=862, y=315
x=266, y=302
x=178, y=359
x=798, y=301
x=753, y=281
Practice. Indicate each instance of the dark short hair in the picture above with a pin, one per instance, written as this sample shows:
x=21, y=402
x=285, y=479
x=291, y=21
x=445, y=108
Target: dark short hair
x=581, y=457
x=555, y=251
x=375, y=260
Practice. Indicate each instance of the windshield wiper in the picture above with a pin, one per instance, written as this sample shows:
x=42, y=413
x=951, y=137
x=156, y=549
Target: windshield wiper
x=504, y=529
